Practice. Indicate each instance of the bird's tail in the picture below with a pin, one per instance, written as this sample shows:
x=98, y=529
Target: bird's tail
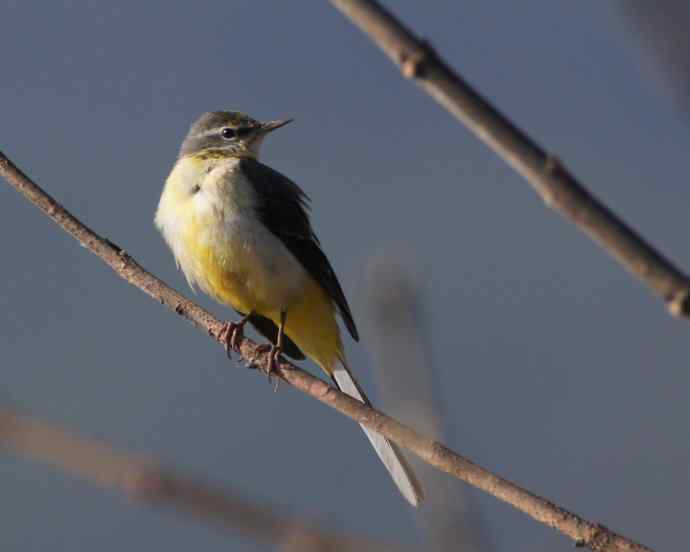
x=388, y=452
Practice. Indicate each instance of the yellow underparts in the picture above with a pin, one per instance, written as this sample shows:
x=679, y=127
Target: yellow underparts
x=310, y=317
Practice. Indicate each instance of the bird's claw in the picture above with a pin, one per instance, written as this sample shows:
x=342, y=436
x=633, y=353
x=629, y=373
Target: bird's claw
x=230, y=335
x=274, y=352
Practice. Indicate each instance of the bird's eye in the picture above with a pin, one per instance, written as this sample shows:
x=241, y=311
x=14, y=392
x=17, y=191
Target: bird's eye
x=227, y=133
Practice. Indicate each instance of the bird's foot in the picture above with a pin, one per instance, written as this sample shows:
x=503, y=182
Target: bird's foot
x=274, y=352
x=230, y=335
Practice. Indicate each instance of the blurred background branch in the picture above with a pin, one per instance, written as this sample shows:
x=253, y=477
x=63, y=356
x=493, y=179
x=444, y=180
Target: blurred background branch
x=144, y=479
x=558, y=188
x=399, y=340
x=663, y=39
x=584, y=532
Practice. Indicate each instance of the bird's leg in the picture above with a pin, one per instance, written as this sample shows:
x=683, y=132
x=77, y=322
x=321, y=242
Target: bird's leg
x=274, y=350
x=231, y=333
x=278, y=349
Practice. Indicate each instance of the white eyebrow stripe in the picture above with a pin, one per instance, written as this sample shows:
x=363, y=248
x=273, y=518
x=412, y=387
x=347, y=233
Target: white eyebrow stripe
x=211, y=131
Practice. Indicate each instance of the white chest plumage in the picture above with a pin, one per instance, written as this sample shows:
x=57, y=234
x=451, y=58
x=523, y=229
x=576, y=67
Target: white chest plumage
x=208, y=217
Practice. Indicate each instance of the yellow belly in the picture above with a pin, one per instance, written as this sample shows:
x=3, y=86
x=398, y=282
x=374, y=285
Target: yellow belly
x=236, y=275
x=224, y=249
x=312, y=325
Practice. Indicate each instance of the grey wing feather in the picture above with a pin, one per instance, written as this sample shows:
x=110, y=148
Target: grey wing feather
x=282, y=208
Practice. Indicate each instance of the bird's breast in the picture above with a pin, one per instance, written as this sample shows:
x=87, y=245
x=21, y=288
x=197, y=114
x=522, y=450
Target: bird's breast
x=221, y=245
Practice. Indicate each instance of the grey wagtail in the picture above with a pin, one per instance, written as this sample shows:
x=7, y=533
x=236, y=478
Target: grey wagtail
x=240, y=231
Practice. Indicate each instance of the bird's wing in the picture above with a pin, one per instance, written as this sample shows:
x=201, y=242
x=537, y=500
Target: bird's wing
x=267, y=328
x=282, y=208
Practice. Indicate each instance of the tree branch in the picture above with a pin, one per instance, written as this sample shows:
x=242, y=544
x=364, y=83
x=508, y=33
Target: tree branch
x=595, y=536
x=559, y=189
x=144, y=479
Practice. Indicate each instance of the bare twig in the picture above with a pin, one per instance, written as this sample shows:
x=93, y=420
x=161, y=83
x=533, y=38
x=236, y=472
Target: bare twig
x=144, y=479
x=559, y=189
x=590, y=534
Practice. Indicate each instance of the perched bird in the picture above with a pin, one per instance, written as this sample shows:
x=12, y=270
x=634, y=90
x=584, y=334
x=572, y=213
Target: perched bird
x=240, y=231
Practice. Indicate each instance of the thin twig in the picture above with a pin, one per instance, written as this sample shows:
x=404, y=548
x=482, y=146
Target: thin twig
x=559, y=189
x=144, y=479
x=595, y=536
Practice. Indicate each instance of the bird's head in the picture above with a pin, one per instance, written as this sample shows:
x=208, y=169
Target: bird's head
x=227, y=134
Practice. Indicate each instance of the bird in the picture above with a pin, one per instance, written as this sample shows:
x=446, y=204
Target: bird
x=241, y=232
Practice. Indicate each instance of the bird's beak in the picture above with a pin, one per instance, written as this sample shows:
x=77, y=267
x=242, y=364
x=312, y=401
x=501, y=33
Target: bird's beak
x=270, y=126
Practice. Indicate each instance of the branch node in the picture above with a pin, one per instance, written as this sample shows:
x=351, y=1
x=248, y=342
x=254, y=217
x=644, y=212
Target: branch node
x=600, y=538
x=679, y=303
x=414, y=64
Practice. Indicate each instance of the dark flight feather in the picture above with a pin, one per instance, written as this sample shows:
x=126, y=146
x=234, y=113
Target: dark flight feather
x=282, y=209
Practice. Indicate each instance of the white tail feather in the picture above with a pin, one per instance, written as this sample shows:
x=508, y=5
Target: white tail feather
x=389, y=454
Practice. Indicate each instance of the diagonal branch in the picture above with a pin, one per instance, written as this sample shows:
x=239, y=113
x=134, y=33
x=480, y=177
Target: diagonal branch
x=559, y=189
x=586, y=533
x=144, y=479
